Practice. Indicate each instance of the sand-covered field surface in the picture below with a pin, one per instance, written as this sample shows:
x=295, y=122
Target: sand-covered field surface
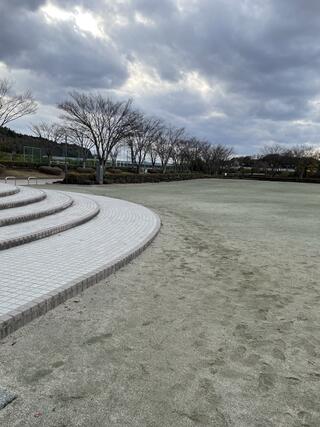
x=216, y=324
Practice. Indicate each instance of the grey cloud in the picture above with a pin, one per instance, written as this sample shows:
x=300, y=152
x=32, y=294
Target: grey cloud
x=21, y=4
x=265, y=55
x=60, y=52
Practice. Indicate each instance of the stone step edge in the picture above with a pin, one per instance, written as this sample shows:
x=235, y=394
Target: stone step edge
x=24, y=202
x=46, y=232
x=40, y=306
x=11, y=192
x=36, y=215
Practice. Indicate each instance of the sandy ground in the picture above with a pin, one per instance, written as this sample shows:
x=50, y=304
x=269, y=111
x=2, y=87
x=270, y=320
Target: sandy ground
x=216, y=324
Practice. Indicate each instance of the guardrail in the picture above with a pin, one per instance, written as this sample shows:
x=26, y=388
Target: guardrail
x=32, y=177
x=10, y=177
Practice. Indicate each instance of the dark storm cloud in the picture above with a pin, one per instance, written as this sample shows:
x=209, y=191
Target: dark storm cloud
x=253, y=54
x=262, y=55
x=57, y=50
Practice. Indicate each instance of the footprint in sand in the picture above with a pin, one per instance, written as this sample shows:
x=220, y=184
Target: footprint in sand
x=266, y=381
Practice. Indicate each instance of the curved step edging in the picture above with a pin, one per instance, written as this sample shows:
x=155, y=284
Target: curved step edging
x=39, y=306
x=36, y=215
x=10, y=192
x=23, y=202
x=41, y=234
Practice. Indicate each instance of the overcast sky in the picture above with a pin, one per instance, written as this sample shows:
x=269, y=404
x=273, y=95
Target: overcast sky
x=240, y=72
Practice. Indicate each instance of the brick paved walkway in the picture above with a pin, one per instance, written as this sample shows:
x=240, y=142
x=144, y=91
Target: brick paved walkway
x=37, y=276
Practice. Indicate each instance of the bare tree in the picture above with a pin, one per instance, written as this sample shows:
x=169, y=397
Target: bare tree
x=51, y=132
x=13, y=107
x=177, y=153
x=153, y=151
x=115, y=154
x=82, y=140
x=304, y=159
x=186, y=153
x=205, y=155
x=215, y=157
x=272, y=156
x=165, y=143
x=194, y=153
x=272, y=149
x=140, y=142
x=106, y=122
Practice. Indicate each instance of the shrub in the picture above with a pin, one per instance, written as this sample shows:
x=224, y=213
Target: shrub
x=154, y=171
x=129, y=169
x=144, y=178
x=79, y=179
x=50, y=170
x=122, y=171
x=13, y=164
x=129, y=178
x=86, y=170
x=113, y=170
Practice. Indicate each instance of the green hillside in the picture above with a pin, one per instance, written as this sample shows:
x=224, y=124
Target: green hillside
x=13, y=143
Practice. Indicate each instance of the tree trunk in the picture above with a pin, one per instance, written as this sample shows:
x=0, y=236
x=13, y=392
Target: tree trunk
x=100, y=171
x=133, y=158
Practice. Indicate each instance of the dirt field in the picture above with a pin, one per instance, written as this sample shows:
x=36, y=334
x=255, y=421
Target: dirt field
x=216, y=324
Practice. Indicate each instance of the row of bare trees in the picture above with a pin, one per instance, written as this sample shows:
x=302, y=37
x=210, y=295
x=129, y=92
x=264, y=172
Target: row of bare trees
x=300, y=161
x=102, y=126
x=301, y=158
x=106, y=125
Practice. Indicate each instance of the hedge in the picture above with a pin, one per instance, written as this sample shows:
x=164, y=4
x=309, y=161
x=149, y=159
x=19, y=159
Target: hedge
x=12, y=164
x=79, y=179
x=50, y=170
x=16, y=164
x=278, y=178
x=87, y=179
x=87, y=171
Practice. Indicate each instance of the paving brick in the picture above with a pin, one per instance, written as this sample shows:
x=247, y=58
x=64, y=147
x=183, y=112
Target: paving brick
x=39, y=275
x=82, y=210
x=54, y=202
x=8, y=190
x=25, y=196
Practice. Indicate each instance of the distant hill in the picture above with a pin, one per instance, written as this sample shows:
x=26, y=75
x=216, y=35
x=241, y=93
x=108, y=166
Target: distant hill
x=13, y=142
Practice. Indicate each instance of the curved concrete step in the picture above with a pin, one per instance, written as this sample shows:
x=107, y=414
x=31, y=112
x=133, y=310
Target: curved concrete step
x=24, y=197
x=8, y=190
x=47, y=272
x=82, y=210
x=53, y=203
